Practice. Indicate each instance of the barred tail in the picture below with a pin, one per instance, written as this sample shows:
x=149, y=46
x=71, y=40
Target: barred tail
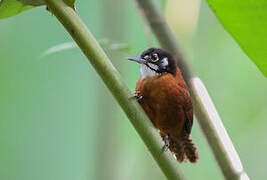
x=189, y=149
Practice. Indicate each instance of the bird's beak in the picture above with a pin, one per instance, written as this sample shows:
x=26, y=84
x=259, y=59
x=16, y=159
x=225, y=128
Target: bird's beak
x=137, y=59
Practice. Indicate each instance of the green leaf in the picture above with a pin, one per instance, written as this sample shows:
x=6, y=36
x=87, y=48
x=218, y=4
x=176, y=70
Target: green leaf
x=12, y=7
x=246, y=21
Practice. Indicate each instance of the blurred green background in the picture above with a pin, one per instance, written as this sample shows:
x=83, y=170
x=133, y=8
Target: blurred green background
x=59, y=122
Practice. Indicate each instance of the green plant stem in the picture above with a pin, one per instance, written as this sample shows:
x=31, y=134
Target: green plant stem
x=92, y=50
x=204, y=108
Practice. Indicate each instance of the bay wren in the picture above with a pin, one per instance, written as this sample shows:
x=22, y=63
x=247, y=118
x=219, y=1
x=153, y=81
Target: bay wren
x=164, y=96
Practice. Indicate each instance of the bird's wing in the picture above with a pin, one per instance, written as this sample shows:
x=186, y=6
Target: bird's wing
x=188, y=108
x=180, y=95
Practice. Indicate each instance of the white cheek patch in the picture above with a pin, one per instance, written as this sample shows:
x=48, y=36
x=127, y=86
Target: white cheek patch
x=164, y=62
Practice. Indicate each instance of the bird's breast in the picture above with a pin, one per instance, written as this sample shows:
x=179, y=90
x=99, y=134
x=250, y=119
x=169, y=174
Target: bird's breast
x=164, y=100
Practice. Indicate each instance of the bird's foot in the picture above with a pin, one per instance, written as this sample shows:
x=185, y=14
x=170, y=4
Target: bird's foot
x=137, y=95
x=166, y=140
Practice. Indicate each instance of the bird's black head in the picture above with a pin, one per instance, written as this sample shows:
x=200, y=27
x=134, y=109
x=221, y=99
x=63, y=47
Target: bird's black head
x=156, y=60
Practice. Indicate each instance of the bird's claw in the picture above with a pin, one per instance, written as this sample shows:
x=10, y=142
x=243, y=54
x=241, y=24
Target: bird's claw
x=137, y=95
x=166, y=140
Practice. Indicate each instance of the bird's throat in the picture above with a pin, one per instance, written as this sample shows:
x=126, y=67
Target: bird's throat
x=147, y=72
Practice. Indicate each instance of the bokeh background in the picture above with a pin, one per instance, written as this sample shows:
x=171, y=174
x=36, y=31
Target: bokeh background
x=59, y=122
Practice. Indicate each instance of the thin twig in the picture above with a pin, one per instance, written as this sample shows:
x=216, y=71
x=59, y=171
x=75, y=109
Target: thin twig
x=204, y=108
x=99, y=60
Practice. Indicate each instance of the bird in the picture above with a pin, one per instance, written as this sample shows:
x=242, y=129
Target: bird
x=164, y=96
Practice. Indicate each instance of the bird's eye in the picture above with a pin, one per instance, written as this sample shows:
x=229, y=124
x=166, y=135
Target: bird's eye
x=147, y=57
x=155, y=57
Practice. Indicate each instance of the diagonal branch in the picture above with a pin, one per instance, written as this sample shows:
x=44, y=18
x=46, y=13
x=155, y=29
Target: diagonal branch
x=112, y=79
x=204, y=108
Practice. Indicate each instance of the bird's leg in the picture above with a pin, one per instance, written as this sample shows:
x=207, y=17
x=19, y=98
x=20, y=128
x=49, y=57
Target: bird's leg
x=137, y=95
x=166, y=140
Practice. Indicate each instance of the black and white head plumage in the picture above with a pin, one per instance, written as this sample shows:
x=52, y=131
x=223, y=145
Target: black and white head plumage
x=154, y=61
x=161, y=59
